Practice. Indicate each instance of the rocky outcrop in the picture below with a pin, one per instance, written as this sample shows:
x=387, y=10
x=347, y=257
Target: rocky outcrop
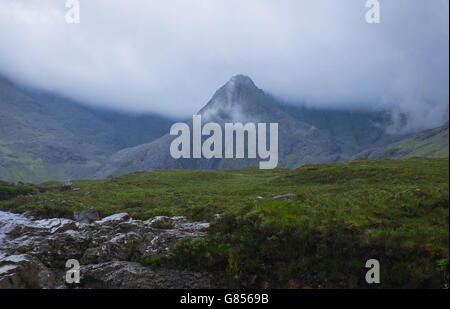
x=131, y=275
x=24, y=271
x=283, y=196
x=67, y=186
x=86, y=216
x=33, y=253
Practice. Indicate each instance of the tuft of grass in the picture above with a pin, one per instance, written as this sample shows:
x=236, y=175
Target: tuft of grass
x=153, y=260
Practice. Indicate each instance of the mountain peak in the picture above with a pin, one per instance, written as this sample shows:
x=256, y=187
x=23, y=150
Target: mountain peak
x=241, y=80
x=239, y=91
x=238, y=82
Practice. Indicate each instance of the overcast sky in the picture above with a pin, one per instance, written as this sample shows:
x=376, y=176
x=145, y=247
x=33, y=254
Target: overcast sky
x=169, y=56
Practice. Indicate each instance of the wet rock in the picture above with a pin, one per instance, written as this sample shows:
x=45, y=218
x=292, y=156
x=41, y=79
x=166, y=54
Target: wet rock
x=283, y=196
x=116, y=218
x=49, y=243
x=66, y=186
x=126, y=227
x=120, y=247
x=162, y=222
x=71, y=226
x=131, y=275
x=24, y=271
x=86, y=216
x=55, y=250
x=56, y=225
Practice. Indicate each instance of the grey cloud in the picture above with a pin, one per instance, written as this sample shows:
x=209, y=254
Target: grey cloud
x=170, y=56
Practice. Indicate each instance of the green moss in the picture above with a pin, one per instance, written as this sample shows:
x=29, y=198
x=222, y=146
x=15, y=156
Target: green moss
x=153, y=261
x=8, y=191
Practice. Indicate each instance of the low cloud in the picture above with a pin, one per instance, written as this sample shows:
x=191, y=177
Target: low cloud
x=170, y=56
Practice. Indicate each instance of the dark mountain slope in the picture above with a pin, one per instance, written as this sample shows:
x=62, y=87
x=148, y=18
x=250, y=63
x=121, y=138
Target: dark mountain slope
x=431, y=143
x=47, y=137
x=239, y=100
x=353, y=130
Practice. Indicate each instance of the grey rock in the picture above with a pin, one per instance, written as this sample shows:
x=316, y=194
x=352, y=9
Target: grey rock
x=283, y=196
x=109, y=247
x=67, y=186
x=116, y=218
x=131, y=275
x=24, y=271
x=86, y=216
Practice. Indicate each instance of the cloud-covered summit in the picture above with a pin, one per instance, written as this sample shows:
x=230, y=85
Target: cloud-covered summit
x=170, y=56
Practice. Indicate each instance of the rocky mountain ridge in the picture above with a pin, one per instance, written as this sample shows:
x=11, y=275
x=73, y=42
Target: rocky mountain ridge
x=239, y=100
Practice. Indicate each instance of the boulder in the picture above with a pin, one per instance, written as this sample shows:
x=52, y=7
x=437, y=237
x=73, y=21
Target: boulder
x=34, y=252
x=86, y=216
x=131, y=275
x=283, y=196
x=67, y=186
x=116, y=218
x=24, y=272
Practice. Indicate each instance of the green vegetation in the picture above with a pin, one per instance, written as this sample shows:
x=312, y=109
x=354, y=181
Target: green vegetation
x=8, y=191
x=396, y=211
x=431, y=143
x=153, y=261
x=46, y=137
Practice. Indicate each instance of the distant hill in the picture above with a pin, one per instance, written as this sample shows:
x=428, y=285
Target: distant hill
x=48, y=137
x=305, y=136
x=353, y=130
x=431, y=143
x=44, y=136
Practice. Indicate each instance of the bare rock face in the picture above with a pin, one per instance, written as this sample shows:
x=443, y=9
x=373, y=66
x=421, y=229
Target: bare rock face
x=239, y=100
x=33, y=253
x=24, y=271
x=283, y=196
x=66, y=186
x=86, y=216
x=131, y=275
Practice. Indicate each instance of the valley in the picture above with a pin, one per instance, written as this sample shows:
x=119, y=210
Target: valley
x=326, y=221
x=76, y=181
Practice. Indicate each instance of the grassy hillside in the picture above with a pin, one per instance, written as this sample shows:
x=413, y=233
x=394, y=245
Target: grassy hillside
x=396, y=211
x=431, y=143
